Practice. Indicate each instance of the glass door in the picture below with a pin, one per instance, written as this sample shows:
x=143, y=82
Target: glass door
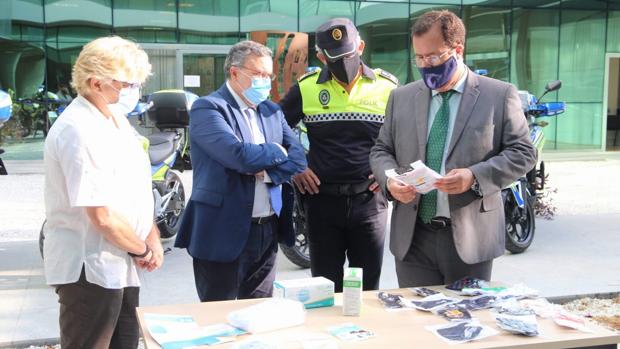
x=202, y=73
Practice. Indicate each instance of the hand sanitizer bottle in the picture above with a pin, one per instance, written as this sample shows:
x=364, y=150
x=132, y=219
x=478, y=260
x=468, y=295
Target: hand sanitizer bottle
x=352, y=291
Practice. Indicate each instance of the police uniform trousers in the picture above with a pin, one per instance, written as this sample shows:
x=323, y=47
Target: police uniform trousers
x=350, y=225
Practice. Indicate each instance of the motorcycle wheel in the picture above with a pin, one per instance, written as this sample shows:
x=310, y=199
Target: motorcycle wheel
x=42, y=239
x=520, y=223
x=299, y=253
x=168, y=223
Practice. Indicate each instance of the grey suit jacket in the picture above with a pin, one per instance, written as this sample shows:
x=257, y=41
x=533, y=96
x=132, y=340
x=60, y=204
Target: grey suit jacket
x=490, y=137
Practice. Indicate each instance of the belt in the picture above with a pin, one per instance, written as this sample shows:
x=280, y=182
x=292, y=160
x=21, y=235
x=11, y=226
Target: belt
x=349, y=189
x=263, y=220
x=439, y=222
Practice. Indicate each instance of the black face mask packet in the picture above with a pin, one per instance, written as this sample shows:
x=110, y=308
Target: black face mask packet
x=453, y=312
x=391, y=300
x=423, y=291
x=462, y=331
x=467, y=282
x=477, y=303
x=428, y=305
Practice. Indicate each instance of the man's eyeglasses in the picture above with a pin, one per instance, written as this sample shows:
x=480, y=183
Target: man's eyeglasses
x=263, y=75
x=432, y=60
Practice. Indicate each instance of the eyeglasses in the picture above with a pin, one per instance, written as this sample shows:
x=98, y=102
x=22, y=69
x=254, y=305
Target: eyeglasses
x=431, y=60
x=125, y=84
x=263, y=75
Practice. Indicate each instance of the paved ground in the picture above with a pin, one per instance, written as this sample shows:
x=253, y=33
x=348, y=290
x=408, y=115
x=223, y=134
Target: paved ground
x=576, y=253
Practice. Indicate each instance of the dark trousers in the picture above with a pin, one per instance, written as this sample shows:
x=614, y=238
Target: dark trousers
x=251, y=275
x=433, y=260
x=95, y=317
x=351, y=226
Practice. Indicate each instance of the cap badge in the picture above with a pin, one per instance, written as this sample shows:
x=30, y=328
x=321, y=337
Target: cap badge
x=337, y=34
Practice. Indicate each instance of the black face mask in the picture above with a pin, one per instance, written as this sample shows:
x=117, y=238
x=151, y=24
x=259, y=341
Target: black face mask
x=345, y=69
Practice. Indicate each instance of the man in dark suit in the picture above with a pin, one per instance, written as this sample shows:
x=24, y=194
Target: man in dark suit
x=469, y=128
x=242, y=151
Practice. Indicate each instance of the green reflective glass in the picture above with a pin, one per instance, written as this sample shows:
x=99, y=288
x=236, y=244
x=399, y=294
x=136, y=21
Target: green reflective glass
x=487, y=45
x=384, y=29
x=209, y=21
x=146, y=21
x=313, y=13
x=26, y=19
x=267, y=15
x=613, y=27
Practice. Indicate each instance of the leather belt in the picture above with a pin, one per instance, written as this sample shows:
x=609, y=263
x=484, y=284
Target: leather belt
x=348, y=189
x=440, y=222
x=263, y=220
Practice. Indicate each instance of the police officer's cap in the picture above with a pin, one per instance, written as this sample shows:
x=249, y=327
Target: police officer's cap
x=336, y=38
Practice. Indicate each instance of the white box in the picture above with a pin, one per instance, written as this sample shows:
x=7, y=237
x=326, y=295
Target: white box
x=312, y=292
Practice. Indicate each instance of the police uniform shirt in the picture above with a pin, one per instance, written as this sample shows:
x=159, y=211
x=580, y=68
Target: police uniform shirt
x=342, y=127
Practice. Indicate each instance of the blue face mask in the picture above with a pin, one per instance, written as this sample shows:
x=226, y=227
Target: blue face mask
x=436, y=77
x=259, y=91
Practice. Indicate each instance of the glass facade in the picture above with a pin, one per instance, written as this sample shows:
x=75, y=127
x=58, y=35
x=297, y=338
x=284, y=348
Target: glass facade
x=526, y=42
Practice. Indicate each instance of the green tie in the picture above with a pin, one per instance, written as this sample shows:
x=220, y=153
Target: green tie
x=434, y=154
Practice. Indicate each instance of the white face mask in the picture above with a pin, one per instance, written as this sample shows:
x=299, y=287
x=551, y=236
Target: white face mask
x=128, y=98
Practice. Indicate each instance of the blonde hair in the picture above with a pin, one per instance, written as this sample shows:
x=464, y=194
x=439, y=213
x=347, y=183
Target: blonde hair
x=110, y=57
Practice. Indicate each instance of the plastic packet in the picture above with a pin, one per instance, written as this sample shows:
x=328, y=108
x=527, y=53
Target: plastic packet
x=541, y=307
x=477, y=303
x=462, y=331
x=350, y=332
x=510, y=306
x=467, y=282
x=519, y=291
x=272, y=314
x=453, y=312
x=566, y=319
x=391, y=301
x=466, y=291
x=431, y=302
x=519, y=324
x=423, y=291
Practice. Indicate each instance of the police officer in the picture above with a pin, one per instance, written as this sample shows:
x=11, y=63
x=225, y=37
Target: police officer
x=343, y=108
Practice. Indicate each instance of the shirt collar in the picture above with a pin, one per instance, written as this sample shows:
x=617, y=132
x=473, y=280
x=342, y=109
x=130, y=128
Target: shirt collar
x=325, y=75
x=460, y=85
x=242, y=105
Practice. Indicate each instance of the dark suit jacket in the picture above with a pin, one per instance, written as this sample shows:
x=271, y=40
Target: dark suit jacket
x=490, y=137
x=216, y=222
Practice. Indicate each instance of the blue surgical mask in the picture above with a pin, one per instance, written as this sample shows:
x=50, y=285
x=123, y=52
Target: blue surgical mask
x=436, y=77
x=259, y=91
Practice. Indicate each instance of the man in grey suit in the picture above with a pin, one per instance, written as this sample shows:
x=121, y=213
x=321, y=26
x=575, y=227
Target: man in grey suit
x=469, y=128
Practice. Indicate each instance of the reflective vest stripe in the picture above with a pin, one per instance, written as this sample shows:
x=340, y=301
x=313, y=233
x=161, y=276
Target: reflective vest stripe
x=347, y=116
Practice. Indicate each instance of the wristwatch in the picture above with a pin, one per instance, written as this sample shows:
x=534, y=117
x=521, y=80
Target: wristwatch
x=146, y=252
x=476, y=188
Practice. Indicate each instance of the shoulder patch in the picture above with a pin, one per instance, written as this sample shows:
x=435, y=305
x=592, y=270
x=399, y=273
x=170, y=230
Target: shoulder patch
x=308, y=74
x=388, y=76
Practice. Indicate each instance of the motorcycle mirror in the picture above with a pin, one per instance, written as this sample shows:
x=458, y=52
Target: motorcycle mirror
x=553, y=86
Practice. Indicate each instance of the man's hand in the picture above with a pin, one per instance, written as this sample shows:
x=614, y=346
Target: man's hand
x=402, y=192
x=158, y=252
x=307, y=181
x=456, y=181
x=374, y=186
x=260, y=175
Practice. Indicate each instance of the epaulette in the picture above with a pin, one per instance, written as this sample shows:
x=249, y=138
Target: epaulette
x=308, y=74
x=388, y=76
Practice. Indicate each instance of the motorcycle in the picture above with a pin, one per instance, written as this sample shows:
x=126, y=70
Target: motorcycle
x=169, y=110
x=299, y=252
x=520, y=197
x=168, y=149
x=6, y=110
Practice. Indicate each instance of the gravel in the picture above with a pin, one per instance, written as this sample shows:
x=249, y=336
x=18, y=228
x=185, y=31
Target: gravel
x=604, y=311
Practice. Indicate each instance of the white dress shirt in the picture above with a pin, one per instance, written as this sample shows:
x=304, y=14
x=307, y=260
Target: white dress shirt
x=443, y=207
x=91, y=162
x=262, y=204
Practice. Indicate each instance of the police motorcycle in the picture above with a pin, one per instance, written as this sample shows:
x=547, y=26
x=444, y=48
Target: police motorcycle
x=169, y=111
x=520, y=197
x=299, y=252
x=6, y=110
x=168, y=149
x=40, y=111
